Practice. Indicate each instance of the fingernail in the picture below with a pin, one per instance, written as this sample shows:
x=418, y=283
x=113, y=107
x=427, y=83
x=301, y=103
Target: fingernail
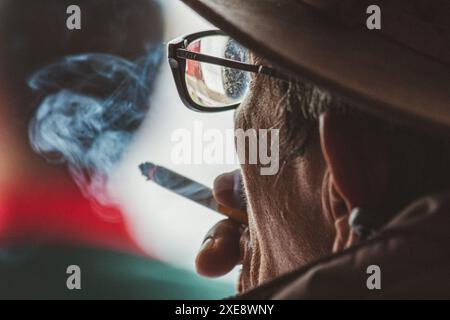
x=207, y=244
x=228, y=190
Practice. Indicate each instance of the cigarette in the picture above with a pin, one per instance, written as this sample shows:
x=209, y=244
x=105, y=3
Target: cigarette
x=189, y=189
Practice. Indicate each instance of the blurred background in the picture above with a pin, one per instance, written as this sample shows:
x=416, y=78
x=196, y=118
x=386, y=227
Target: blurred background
x=164, y=223
x=79, y=112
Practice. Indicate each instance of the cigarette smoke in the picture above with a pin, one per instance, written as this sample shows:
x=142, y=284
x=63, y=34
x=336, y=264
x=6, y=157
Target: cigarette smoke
x=90, y=107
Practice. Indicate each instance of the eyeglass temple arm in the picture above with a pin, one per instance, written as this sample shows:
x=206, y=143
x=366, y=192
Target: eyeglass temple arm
x=260, y=69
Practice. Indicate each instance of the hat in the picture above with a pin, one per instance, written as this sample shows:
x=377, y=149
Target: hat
x=399, y=71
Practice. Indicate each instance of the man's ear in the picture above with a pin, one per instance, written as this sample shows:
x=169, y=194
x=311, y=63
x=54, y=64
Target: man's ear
x=356, y=153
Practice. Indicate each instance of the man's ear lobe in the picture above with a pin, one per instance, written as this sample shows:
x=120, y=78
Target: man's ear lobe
x=356, y=155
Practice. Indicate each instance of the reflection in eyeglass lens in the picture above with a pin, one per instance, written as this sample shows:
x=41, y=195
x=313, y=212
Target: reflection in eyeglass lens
x=212, y=85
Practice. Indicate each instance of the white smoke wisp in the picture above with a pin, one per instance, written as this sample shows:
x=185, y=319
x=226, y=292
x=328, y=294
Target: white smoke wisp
x=90, y=107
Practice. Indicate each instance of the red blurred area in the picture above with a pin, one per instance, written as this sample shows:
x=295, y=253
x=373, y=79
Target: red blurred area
x=193, y=67
x=55, y=212
x=41, y=203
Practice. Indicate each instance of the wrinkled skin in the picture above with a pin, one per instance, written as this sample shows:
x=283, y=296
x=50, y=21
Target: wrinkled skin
x=287, y=224
x=290, y=218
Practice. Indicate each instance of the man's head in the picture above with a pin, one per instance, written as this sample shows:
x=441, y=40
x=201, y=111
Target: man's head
x=335, y=158
x=338, y=152
x=356, y=145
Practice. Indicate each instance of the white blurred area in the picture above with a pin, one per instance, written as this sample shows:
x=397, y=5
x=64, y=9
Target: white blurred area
x=167, y=226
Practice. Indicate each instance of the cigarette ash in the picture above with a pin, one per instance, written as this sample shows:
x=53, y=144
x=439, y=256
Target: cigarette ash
x=90, y=107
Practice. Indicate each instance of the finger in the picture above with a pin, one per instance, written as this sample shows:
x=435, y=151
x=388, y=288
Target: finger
x=228, y=190
x=220, y=251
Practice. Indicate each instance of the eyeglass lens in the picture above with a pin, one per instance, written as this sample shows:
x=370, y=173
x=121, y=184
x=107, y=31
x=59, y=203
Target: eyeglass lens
x=215, y=86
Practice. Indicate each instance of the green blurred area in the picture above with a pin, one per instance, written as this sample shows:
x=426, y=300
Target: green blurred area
x=40, y=273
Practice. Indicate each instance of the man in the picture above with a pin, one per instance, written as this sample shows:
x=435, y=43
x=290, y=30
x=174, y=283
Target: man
x=364, y=123
x=48, y=227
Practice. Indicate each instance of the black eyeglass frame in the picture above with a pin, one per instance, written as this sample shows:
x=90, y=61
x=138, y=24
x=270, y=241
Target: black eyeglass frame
x=178, y=54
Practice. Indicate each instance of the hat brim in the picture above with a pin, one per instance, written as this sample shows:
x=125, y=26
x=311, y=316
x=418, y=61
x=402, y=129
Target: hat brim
x=368, y=69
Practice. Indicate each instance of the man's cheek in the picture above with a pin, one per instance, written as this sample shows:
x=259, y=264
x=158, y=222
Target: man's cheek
x=269, y=152
x=258, y=108
x=242, y=118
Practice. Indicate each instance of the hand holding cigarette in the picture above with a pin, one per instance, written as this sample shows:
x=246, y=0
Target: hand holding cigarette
x=192, y=190
x=227, y=243
x=222, y=248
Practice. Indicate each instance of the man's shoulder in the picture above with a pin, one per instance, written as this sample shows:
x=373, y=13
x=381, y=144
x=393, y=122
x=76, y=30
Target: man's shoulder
x=409, y=258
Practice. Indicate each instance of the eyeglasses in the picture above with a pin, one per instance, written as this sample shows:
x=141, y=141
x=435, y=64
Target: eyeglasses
x=212, y=71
